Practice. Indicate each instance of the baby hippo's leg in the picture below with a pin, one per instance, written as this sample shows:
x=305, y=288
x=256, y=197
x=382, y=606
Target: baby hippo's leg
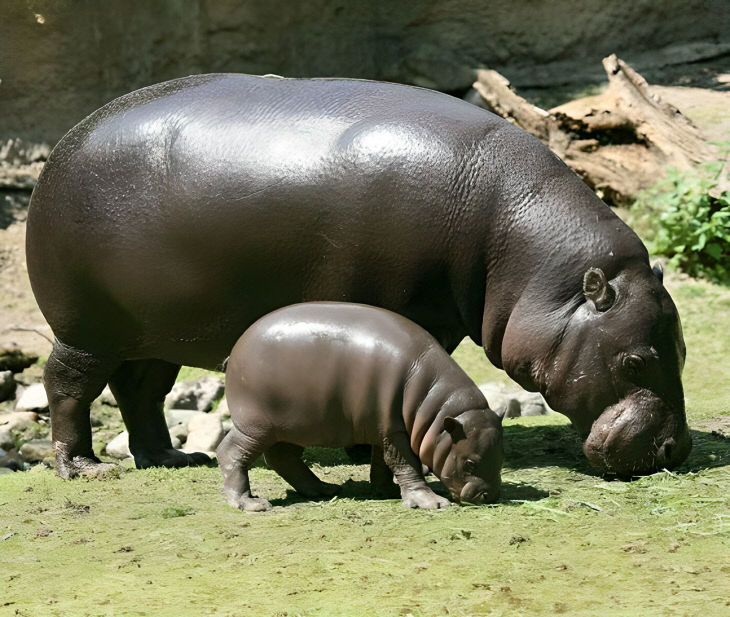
x=236, y=453
x=286, y=460
x=381, y=477
x=408, y=470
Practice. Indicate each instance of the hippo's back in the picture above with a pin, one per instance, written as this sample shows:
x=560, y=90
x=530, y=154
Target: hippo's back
x=172, y=218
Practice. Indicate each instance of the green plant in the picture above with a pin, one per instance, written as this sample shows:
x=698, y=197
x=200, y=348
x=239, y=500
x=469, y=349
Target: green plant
x=683, y=221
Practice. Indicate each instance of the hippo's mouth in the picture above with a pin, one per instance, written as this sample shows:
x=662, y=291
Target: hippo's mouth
x=637, y=436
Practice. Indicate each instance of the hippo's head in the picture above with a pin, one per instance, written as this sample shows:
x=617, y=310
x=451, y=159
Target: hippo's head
x=471, y=471
x=616, y=373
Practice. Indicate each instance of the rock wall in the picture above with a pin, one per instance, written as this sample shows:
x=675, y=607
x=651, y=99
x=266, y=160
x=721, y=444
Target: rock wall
x=61, y=59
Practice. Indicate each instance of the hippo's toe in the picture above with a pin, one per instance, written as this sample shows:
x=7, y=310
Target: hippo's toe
x=253, y=504
x=425, y=498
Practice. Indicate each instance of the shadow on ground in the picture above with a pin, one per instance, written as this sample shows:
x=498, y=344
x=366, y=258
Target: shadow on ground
x=360, y=490
x=556, y=446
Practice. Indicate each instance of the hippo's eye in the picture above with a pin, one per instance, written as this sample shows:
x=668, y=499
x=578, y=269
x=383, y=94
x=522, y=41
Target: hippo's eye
x=470, y=467
x=633, y=364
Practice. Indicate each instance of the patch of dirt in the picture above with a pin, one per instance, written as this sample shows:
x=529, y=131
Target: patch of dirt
x=22, y=323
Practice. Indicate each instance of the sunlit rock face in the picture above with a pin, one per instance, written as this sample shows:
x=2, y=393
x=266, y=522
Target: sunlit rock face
x=63, y=60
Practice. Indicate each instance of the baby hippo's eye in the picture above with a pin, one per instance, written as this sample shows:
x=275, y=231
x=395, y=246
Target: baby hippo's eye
x=470, y=466
x=633, y=365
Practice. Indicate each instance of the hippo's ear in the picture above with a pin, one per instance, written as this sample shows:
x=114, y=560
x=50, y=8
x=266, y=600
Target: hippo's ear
x=597, y=289
x=658, y=271
x=454, y=427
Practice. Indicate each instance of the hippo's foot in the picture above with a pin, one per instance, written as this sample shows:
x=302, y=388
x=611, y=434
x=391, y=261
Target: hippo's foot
x=322, y=490
x=84, y=467
x=425, y=498
x=249, y=503
x=170, y=457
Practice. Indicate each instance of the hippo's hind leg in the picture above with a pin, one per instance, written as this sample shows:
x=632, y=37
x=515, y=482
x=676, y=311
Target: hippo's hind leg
x=73, y=378
x=286, y=460
x=408, y=470
x=139, y=387
x=381, y=477
x=236, y=453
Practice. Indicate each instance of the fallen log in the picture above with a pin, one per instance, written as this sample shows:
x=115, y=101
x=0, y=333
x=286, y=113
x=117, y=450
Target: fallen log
x=619, y=142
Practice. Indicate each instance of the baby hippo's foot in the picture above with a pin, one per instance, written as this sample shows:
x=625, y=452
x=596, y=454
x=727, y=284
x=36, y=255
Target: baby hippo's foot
x=169, y=457
x=249, y=503
x=424, y=498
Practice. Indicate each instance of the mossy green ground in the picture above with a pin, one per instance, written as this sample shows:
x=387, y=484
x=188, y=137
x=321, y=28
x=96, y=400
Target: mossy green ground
x=561, y=541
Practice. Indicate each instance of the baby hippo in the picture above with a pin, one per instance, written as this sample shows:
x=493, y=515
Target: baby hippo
x=338, y=374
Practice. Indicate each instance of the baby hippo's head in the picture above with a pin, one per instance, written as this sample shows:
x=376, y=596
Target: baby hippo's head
x=472, y=468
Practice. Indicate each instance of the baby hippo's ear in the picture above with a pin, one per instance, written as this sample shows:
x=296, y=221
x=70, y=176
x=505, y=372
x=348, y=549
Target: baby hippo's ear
x=454, y=427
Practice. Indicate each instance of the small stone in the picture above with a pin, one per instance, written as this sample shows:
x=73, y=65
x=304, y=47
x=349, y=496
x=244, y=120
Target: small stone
x=119, y=446
x=7, y=385
x=199, y=394
x=107, y=397
x=173, y=417
x=36, y=450
x=15, y=360
x=17, y=420
x=33, y=398
x=205, y=432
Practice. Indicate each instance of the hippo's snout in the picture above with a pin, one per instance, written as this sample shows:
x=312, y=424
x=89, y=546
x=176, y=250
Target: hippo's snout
x=479, y=493
x=639, y=435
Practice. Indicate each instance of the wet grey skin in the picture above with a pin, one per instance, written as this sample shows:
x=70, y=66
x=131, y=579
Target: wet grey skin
x=171, y=219
x=338, y=374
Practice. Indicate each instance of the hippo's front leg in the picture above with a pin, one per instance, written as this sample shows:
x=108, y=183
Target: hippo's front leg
x=236, y=453
x=408, y=471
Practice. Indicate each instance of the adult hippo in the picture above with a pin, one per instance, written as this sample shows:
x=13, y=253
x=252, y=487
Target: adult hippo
x=171, y=219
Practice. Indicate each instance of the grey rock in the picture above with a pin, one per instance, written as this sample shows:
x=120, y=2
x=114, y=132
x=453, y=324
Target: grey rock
x=33, y=398
x=512, y=402
x=15, y=360
x=17, y=420
x=36, y=450
x=119, y=446
x=199, y=394
x=6, y=440
x=174, y=417
x=107, y=397
x=227, y=425
x=222, y=408
x=205, y=432
x=176, y=443
x=12, y=460
x=6, y=470
x=179, y=432
x=7, y=385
